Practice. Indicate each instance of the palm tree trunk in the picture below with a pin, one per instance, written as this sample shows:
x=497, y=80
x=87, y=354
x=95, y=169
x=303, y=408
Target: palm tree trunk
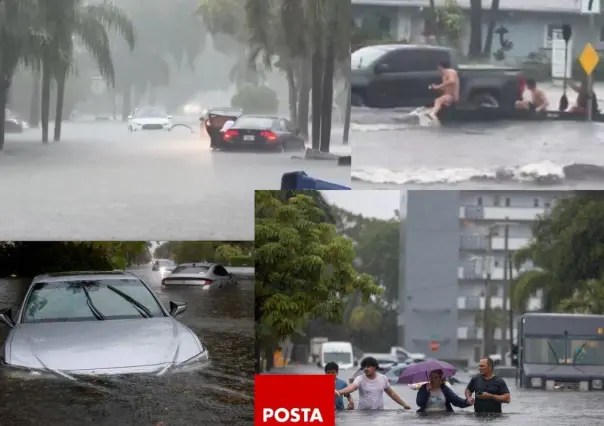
x=293, y=94
x=475, y=49
x=434, y=21
x=34, y=107
x=4, y=86
x=488, y=44
x=327, y=96
x=317, y=83
x=304, y=98
x=61, y=79
x=126, y=102
x=45, y=108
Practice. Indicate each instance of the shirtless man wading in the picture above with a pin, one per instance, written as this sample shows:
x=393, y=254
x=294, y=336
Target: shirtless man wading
x=538, y=101
x=449, y=87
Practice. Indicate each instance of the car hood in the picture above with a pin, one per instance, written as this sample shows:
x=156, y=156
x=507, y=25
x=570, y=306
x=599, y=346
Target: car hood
x=152, y=120
x=95, y=345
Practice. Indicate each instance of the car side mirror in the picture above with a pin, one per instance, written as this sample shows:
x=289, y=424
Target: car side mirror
x=170, y=117
x=6, y=317
x=129, y=117
x=381, y=68
x=177, y=308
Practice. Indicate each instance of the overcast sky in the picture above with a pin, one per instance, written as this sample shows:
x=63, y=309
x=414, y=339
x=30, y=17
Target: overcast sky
x=379, y=204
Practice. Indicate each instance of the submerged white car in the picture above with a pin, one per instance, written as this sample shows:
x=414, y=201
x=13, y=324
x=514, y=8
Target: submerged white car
x=79, y=324
x=149, y=119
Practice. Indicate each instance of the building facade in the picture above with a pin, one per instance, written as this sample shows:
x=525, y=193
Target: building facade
x=530, y=26
x=452, y=241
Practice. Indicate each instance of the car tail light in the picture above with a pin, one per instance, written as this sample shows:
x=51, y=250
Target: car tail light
x=268, y=135
x=230, y=133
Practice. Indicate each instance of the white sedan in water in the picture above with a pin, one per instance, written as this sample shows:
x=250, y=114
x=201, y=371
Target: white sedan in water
x=149, y=119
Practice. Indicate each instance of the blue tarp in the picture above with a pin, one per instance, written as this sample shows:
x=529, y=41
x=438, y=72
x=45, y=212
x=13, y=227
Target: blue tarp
x=301, y=181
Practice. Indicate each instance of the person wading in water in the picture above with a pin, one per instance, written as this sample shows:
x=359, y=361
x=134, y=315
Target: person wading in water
x=449, y=87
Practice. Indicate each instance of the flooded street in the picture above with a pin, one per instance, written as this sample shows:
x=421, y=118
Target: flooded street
x=170, y=183
x=388, y=153
x=220, y=395
x=551, y=408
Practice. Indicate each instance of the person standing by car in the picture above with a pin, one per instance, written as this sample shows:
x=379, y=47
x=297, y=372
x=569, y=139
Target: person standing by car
x=437, y=395
x=490, y=391
x=332, y=368
x=372, y=386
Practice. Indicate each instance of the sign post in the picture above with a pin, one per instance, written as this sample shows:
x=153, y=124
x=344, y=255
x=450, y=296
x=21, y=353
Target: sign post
x=591, y=8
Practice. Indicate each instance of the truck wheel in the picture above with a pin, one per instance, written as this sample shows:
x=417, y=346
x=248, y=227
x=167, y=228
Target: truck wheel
x=357, y=100
x=484, y=99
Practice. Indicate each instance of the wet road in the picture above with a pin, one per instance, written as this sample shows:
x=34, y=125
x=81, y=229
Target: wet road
x=387, y=153
x=220, y=395
x=527, y=407
x=100, y=177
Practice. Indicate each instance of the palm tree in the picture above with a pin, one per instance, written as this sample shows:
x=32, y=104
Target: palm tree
x=65, y=21
x=588, y=300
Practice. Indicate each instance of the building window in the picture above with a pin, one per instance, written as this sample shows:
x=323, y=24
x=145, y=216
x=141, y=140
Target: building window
x=479, y=201
x=552, y=32
x=497, y=201
x=508, y=202
x=547, y=204
x=536, y=202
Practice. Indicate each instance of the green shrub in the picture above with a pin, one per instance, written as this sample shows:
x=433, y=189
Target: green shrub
x=256, y=100
x=241, y=261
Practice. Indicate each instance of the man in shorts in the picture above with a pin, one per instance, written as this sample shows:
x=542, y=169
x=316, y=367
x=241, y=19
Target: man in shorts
x=372, y=386
x=449, y=87
x=332, y=368
x=538, y=101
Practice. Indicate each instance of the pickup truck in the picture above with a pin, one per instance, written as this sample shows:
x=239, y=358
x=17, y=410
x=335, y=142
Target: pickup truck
x=399, y=75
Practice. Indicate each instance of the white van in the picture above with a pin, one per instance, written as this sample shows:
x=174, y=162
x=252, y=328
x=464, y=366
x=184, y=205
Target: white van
x=338, y=352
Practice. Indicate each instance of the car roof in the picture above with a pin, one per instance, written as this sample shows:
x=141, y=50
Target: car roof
x=389, y=47
x=84, y=275
x=201, y=264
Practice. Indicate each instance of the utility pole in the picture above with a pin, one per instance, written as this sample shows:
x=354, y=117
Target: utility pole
x=590, y=76
x=486, y=329
x=511, y=311
x=507, y=304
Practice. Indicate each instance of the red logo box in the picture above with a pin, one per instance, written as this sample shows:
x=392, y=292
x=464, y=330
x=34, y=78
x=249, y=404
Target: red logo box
x=294, y=400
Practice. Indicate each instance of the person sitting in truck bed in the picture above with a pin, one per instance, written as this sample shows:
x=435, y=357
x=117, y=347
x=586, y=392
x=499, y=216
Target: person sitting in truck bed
x=449, y=87
x=538, y=101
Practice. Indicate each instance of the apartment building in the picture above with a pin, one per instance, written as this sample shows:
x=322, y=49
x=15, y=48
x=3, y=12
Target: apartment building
x=451, y=241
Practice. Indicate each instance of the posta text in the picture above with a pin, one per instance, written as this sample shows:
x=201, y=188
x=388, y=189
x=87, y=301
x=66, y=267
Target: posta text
x=294, y=400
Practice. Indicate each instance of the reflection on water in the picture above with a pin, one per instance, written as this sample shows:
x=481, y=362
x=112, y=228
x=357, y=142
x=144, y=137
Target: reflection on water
x=550, y=408
x=222, y=394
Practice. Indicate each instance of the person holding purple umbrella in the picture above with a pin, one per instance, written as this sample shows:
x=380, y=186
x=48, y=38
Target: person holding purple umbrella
x=436, y=396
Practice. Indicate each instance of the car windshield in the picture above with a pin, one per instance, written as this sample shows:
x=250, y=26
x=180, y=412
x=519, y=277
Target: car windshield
x=191, y=270
x=253, y=123
x=366, y=56
x=337, y=357
x=572, y=350
x=90, y=300
x=150, y=113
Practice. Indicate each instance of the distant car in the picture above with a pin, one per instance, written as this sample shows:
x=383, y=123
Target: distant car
x=265, y=132
x=214, y=119
x=395, y=372
x=163, y=265
x=149, y=119
x=12, y=123
x=76, y=324
x=209, y=276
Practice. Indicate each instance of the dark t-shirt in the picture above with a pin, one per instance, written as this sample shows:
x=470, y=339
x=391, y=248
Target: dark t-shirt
x=494, y=386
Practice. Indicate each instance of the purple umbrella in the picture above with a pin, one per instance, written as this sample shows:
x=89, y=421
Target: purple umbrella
x=420, y=372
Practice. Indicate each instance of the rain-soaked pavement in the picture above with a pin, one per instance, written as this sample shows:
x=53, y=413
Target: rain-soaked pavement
x=387, y=153
x=100, y=177
x=526, y=408
x=219, y=395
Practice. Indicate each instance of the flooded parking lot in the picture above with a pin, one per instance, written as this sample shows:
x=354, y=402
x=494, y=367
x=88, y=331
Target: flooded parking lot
x=527, y=407
x=388, y=153
x=222, y=394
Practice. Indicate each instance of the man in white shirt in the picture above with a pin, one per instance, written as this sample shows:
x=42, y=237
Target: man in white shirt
x=372, y=386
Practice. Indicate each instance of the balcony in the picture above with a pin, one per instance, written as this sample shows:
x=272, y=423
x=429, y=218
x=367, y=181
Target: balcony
x=501, y=213
x=477, y=303
x=513, y=243
x=476, y=272
x=476, y=333
x=481, y=243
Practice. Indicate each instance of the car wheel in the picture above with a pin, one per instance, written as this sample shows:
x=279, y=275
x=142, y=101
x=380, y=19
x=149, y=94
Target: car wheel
x=484, y=99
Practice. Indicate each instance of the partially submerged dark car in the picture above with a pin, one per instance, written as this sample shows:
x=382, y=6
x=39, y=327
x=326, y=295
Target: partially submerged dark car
x=263, y=132
x=214, y=119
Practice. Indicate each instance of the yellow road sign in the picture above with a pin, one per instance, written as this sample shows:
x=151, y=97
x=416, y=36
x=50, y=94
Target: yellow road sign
x=589, y=58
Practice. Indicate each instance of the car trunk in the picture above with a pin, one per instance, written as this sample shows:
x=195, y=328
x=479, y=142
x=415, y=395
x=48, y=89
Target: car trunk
x=184, y=280
x=215, y=122
x=250, y=136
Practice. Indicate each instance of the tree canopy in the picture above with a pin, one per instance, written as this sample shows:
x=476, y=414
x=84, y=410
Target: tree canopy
x=567, y=249
x=304, y=269
x=236, y=253
x=28, y=259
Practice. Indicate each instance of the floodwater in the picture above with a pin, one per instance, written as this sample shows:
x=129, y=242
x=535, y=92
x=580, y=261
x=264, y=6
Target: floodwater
x=101, y=177
x=526, y=408
x=220, y=395
x=388, y=153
